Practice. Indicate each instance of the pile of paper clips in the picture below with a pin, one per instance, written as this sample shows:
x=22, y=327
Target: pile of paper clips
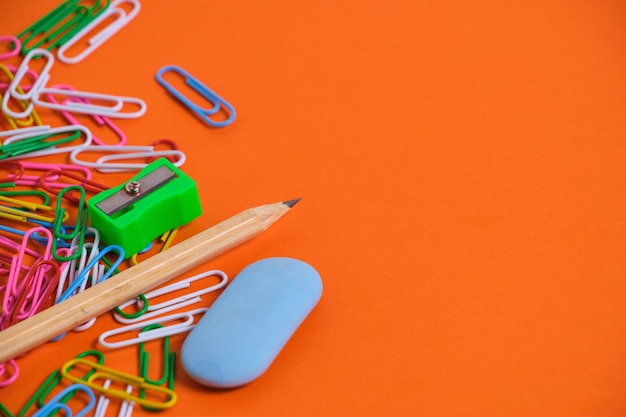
x=48, y=251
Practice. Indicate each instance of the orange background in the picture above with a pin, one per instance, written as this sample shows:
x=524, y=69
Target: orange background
x=462, y=171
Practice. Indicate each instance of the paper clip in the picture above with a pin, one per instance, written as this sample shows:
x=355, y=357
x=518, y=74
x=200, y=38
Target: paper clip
x=85, y=272
x=55, y=404
x=59, y=25
x=27, y=129
x=14, y=43
x=42, y=78
x=144, y=359
x=25, y=306
x=21, y=178
x=126, y=408
x=171, y=330
x=218, y=103
x=45, y=198
x=53, y=380
x=23, y=251
x=79, y=229
x=20, y=214
x=10, y=71
x=54, y=174
x=134, y=152
x=172, y=304
x=113, y=110
x=34, y=143
x=169, y=363
x=12, y=375
x=77, y=266
x=16, y=119
x=99, y=120
x=167, y=238
x=102, y=372
x=122, y=18
x=170, y=143
x=4, y=412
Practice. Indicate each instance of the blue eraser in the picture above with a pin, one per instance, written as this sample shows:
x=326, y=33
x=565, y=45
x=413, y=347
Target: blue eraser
x=246, y=327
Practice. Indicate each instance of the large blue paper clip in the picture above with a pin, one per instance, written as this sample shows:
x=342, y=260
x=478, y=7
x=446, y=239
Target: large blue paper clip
x=217, y=102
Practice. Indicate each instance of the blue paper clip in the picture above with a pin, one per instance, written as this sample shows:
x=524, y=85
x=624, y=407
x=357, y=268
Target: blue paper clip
x=56, y=405
x=217, y=102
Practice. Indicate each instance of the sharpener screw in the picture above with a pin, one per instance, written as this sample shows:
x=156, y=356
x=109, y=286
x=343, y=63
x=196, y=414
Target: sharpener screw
x=133, y=187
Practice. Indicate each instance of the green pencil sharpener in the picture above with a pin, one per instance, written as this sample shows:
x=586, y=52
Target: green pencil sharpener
x=159, y=198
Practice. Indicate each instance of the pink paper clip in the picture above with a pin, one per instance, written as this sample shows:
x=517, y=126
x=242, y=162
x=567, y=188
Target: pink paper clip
x=14, y=42
x=89, y=185
x=13, y=287
x=99, y=120
x=11, y=167
x=44, y=168
x=38, y=287
x=7, y=380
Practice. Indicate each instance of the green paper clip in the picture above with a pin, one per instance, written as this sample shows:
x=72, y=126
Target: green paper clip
x=159, y=198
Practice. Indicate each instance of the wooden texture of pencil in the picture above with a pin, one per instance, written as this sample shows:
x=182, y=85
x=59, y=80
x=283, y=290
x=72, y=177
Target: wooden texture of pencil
x=150, y=273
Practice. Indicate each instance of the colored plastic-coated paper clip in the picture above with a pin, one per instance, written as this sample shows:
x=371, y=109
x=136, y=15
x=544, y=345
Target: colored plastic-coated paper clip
x=154, y=333
x=159, y=198
x=121, y=153
x=218, y=103
x=78, y=281
x=121, y=19
x=40, y=142
x=27, y=116
x=81, y=105
x=4, y=412
x=42, y=78
x=55, y=404
x=126, y=408
x=160, y=397
x=14, y=46
x=59, y=25
x=152, y=310
x=8, y=373
x=39, y=398
x=99, y=120
x=79, y=228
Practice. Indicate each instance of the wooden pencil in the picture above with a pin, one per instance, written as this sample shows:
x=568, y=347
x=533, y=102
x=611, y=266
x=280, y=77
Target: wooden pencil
x=138, y=279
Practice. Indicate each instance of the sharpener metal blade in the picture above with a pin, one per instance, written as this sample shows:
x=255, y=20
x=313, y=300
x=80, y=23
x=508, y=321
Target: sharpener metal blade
x=147, y=184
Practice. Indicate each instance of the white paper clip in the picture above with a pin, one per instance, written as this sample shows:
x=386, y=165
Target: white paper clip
x=154, y=334
x=114, y=110
x=126, y=408
x=174, y=303
x=53, y=149
x=30, y=129
x=122, y=18
x=134, y=152
x=42, y=79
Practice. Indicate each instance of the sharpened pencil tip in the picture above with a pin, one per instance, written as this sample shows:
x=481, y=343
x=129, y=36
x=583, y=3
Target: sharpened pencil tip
x=291, y=203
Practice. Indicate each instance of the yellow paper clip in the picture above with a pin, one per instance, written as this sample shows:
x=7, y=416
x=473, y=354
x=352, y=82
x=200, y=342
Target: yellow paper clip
x=23, y=216
x=103, y=373
x=167, y=238
x=31, y=119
